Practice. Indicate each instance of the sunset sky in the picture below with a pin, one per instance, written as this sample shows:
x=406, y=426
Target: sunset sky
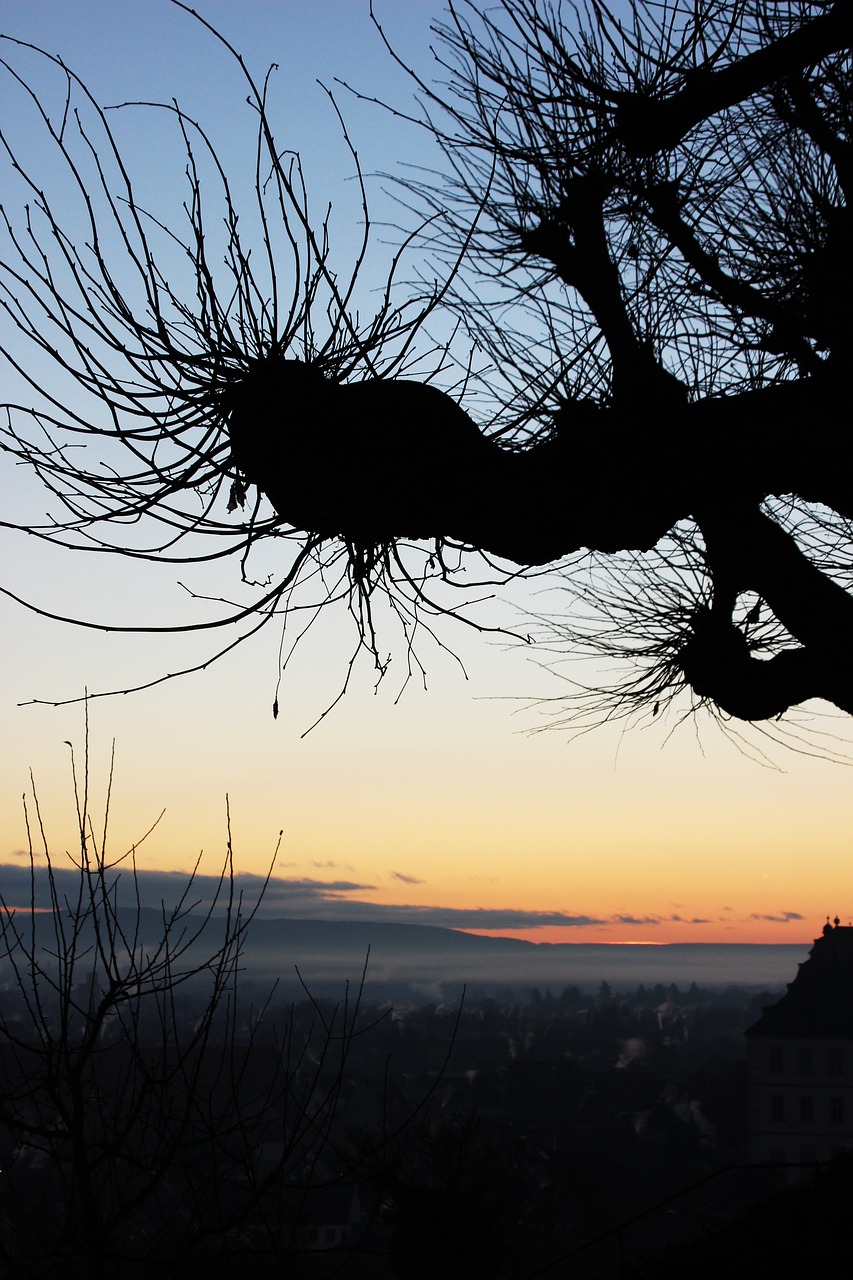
x=447, y=802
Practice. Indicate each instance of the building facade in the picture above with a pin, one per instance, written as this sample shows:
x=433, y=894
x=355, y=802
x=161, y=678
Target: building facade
x=800, y=1060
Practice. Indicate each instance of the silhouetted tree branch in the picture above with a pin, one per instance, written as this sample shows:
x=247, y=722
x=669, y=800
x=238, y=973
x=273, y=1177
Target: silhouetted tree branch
x=641, y=224
x=667, y=212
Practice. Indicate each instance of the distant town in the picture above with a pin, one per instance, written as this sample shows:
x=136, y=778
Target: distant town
x=519, y=1130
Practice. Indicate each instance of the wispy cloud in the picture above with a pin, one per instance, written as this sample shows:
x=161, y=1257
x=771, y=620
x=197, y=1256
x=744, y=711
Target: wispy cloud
x=404, y=879
x=282, y=893
x=619, y=918
x=784, y=918
x=470, y=917
x=282, y=896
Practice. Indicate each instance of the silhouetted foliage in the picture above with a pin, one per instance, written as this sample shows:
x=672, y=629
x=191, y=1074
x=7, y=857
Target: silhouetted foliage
x=642, y=226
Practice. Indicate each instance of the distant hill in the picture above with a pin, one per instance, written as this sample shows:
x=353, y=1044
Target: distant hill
x=428, y=955
x=434, y=961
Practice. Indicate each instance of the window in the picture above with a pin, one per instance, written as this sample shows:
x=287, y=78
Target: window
x=836, y=1110
x=777, y=1107
x=806, y=1060
x=807, y=1108
x=836, y=1060
x=775, y=1059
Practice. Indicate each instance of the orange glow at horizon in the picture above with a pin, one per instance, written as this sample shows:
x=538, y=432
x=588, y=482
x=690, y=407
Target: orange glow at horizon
x=665, y=934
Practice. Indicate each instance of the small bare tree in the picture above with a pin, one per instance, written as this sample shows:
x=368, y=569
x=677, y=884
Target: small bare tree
x=150, y=1117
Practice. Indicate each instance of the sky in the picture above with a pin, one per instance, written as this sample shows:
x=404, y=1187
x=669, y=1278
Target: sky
x=451, y=804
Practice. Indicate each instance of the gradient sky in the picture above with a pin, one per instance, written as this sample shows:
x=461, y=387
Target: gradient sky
x=447, y=801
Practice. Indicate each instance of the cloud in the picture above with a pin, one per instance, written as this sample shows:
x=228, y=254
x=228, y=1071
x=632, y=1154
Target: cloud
x=496, y=918
x=282, y=896
x=784, y=918
x=310, y=898
x=636, y=920
x=294, y=898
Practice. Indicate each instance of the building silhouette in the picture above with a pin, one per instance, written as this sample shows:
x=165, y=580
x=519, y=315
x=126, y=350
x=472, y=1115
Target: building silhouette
x=800, y=1060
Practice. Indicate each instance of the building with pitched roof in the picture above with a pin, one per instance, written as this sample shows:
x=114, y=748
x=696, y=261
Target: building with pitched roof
x=800, y=1060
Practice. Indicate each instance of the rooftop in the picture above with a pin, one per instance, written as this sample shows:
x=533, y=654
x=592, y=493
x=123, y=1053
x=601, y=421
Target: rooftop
x=819, y=1002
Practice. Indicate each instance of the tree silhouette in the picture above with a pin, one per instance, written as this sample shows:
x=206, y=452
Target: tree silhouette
x=151, y=1116
x=642, y=225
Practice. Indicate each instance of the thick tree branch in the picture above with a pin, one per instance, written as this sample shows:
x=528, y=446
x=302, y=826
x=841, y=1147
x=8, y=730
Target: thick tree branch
x=752, y=552
x=796, y=105
x=717, y=664
x=380, y=460
x=646, y=125
x=574, y=241
x=748, y=551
